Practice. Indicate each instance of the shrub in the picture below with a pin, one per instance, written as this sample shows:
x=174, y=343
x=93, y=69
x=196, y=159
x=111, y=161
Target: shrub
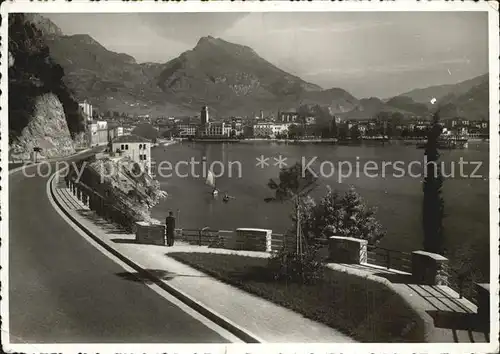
x=346, y=215
x=290, y=266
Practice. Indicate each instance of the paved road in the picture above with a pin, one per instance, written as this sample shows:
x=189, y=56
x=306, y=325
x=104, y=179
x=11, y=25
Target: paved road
x=64, y=290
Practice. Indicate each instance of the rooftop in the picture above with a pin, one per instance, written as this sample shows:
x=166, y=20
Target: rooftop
x=132, y=138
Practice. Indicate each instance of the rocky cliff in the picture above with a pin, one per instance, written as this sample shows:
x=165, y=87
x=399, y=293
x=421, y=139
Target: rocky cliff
x=131, y=191
x=47, y=130
x=42, y=111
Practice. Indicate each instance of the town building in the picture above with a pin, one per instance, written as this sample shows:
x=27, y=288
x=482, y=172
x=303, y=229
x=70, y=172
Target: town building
x=310, y=120
x=87, y=110
x=187, y=129
x=204, y=116
x=137, y=148
x=98, y=132
x=227, y=130
x=270, y=129
x=287, y=117
x=114, y=132
x=213, y=129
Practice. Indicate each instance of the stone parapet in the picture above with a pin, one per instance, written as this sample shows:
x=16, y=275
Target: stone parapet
x=253, y=239
x=347, y=250
x=483, y=302
x=429, y=268
x=149, y=233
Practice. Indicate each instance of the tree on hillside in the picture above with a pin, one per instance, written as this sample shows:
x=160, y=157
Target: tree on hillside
x=433, y=203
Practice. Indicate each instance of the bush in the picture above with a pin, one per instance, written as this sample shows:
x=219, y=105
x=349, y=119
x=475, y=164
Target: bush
x=290, y=266
x=341, y=215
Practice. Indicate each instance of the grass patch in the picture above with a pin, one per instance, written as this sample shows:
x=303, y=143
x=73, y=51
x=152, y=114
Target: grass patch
x=365, y=310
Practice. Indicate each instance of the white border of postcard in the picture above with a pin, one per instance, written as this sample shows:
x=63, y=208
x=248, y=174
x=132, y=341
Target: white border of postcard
x=257, y=6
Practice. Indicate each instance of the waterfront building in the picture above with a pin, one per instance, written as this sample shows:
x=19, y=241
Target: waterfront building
x=270, y=129
x=418, y=125
x=237, y=127
x=136, y=147
x=287, y=117
x=213, y=129
x=87, y=110
x=187, y=129
x=227, y=129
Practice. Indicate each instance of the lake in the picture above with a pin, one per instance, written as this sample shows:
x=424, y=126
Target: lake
x=397, y=198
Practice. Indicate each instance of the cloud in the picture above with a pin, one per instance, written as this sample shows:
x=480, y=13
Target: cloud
x=422, y=65
x=335, y=28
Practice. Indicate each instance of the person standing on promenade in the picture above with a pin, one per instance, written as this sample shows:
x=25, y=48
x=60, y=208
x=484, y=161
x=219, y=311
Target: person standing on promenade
x=170, y=225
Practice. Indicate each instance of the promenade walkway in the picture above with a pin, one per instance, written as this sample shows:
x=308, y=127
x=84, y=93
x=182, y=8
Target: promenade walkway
x=268, y=322
x=449, y=318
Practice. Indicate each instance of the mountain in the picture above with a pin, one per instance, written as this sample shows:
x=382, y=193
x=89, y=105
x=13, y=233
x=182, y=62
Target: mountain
x=46, y=26
x=473, y=104
x=234, y=79
x=407, y=104
x=425, y=95
x=231, y=79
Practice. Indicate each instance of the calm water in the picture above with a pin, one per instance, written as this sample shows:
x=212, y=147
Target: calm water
x=398, y=200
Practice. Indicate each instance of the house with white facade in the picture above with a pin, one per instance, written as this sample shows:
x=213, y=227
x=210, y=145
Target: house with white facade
x=87, y=110
x=187, y=129
x=269, y=129
x=98, y=132
x=114, y=132
x=213, y=129
x=135, y=147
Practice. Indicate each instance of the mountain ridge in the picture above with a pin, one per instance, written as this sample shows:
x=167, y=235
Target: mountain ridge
x=230, y=78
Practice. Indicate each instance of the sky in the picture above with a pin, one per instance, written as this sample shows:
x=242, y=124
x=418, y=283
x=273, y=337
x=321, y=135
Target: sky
x=377, y=54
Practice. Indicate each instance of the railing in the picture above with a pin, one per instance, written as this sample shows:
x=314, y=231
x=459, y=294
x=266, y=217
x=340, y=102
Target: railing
x=200, y=237
x=463, y=284
x=390, y=259
x=100, y=204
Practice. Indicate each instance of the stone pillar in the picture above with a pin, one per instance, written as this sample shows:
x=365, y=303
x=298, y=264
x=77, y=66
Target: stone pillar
x=148, y=233
x=429, y=268
x=253, y=239
x=347, y=250
x=228, y=239
x=483, y=303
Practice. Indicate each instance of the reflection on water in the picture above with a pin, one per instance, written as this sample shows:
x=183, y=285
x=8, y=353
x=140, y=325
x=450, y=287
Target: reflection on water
x=398, y=200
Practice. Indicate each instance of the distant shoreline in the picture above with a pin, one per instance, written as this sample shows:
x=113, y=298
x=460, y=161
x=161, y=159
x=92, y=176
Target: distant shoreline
x=331, y=141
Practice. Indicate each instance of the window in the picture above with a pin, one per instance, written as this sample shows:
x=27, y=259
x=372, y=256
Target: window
x=126, y=146
x=123, y=147
x=140, y=146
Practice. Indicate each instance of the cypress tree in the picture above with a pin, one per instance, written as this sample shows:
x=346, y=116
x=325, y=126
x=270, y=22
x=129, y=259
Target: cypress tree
x=433, y=204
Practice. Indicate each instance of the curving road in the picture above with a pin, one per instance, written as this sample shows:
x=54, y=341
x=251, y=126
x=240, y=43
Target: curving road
x=63, y=290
